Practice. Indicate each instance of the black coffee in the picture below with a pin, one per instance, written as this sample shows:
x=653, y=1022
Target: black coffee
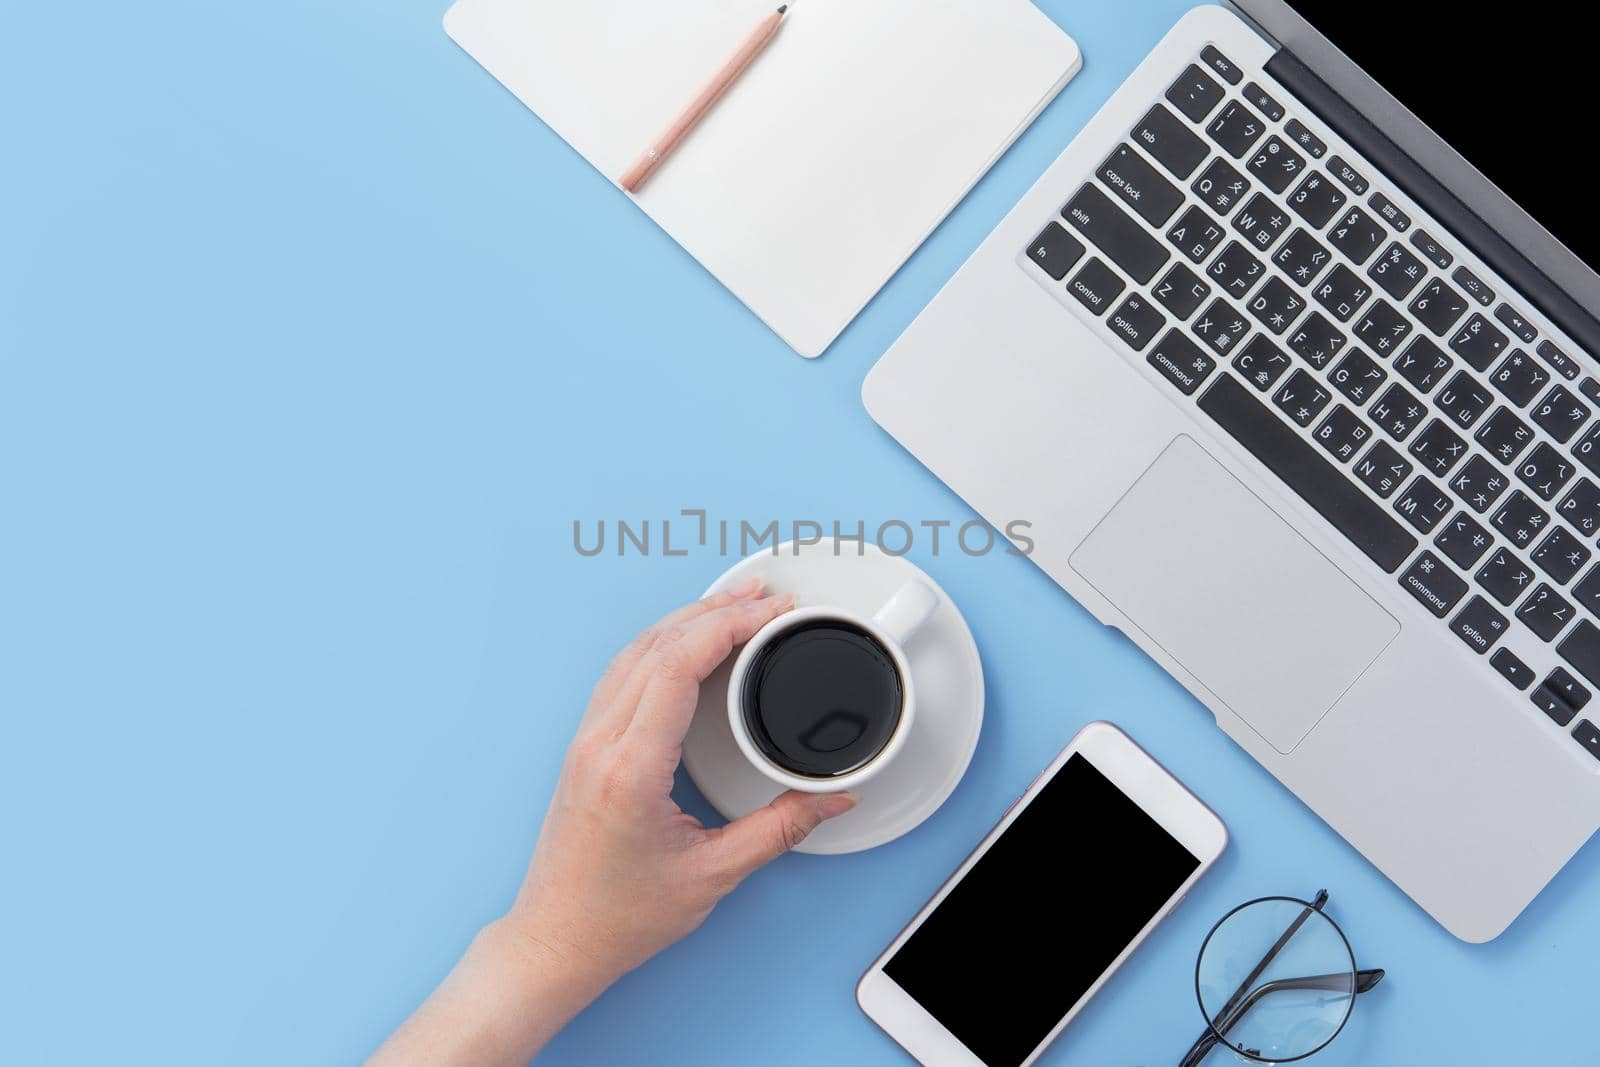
x=822, y=699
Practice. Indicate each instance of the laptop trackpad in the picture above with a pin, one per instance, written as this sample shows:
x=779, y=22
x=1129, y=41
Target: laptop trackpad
x=1212, y=575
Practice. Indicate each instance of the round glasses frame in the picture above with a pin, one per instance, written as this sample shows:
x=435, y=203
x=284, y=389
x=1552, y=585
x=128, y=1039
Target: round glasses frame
x=1240, y=1002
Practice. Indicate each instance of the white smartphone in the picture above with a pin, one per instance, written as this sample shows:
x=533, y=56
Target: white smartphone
x=1101, y=847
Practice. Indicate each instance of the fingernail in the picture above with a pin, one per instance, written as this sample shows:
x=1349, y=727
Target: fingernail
x=835, y=804
x=784, y=602
x=747, y=588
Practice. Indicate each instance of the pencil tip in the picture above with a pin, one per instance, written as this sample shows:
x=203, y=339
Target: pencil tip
x=783, y=9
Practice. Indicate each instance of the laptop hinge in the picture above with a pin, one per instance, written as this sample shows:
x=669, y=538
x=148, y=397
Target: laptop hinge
x=1442, y=204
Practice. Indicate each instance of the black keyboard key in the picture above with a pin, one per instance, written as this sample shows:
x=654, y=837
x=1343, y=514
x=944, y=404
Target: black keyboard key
x=1307, y=141
x=1236, y=129
x=1170, y=142
x=1581, y=648
x=1181, y=291
x=1342, y=434
x=1397, y=271
x=1463, y=540
x=1432, y=250
x=1140, y=185
x=1479, y=625
x=1479, y=342
x=1262, y=101
x=1422, y=505
x=1260, y=363
x=1479, y=484
x=1473, y=286
x=1195, y=234
x=1545, y=612
x=1302, y=398
x=1513, y=320
x=1316, y=200
x=1564, y=364
x=1590, y=388
x=1357, y=236
x=1436, y=587
x=1301, y=258
x=1519, y=378
x=1220, y=187
x=1505, y=577
x=1221, y=64
x=1561, y=555
x=1390, y=212
x=1397, y=412
x=1382, y=327
x=1587, y=592
x=1358, y=376
x=1382, y=469
x=1463, y=400
x=1181, y=361
x=1096, y=286
x=1520, y=520
x=1195, y=93
x=1276, y=165
x=1342, y=292
x=1261, y=222
x=1545, y=471
x=1587, y=735
x=1235, y=271
x=1581, y=507
x=1136, y=322
x=1316, y=340
x=1318, y=482
x=1587, y=450
x=1548, y=701
x=1563, y=684
x=1423, y=364
x=1511, y=668
x=1560, y=414
x=1438, y=306
x=1114, y=233
x=1055, y=251
x=1504, y=435
x=1276, y=305
x=1438, y=448
x=1221, y=326
x=1347, y=174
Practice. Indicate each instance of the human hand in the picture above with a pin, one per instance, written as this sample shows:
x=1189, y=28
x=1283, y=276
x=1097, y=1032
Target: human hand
x=620, y=871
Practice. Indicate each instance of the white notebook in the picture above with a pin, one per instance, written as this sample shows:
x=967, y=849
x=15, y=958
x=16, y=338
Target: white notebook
x=830, y=161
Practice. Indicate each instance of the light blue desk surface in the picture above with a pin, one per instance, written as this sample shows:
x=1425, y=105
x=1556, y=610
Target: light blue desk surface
x=313, y=344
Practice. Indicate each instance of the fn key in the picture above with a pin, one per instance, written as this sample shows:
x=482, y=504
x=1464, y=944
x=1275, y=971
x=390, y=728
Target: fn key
x=1055, y=251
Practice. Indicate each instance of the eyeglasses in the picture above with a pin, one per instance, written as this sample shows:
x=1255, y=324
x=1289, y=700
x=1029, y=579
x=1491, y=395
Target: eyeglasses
x=1276, y=980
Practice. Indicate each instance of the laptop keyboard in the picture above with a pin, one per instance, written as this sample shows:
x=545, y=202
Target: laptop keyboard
x=1334, y=337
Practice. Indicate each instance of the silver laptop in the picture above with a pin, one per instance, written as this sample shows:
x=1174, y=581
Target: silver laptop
x=1298, y=397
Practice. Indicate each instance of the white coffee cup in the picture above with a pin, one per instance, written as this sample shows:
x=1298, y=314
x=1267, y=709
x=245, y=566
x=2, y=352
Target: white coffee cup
x=892, y=626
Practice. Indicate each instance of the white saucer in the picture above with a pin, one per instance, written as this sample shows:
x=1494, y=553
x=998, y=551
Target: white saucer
x=949, y=680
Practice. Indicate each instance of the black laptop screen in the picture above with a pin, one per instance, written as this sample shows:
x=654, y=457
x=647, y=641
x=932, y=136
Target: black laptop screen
x=1504, y=85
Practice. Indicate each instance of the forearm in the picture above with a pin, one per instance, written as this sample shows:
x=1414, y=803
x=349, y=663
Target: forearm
x=501, y=1005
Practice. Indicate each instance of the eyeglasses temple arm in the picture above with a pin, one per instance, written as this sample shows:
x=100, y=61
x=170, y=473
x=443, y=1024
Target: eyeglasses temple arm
x=1272, y=954
x=1365, y=980
x=1335, y=983
x=1199, y=1050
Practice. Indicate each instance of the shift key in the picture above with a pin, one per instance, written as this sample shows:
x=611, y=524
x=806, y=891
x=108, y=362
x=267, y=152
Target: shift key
x=1114, y=232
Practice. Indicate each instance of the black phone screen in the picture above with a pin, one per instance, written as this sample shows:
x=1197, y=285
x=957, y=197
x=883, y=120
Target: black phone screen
x=1041, y=915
